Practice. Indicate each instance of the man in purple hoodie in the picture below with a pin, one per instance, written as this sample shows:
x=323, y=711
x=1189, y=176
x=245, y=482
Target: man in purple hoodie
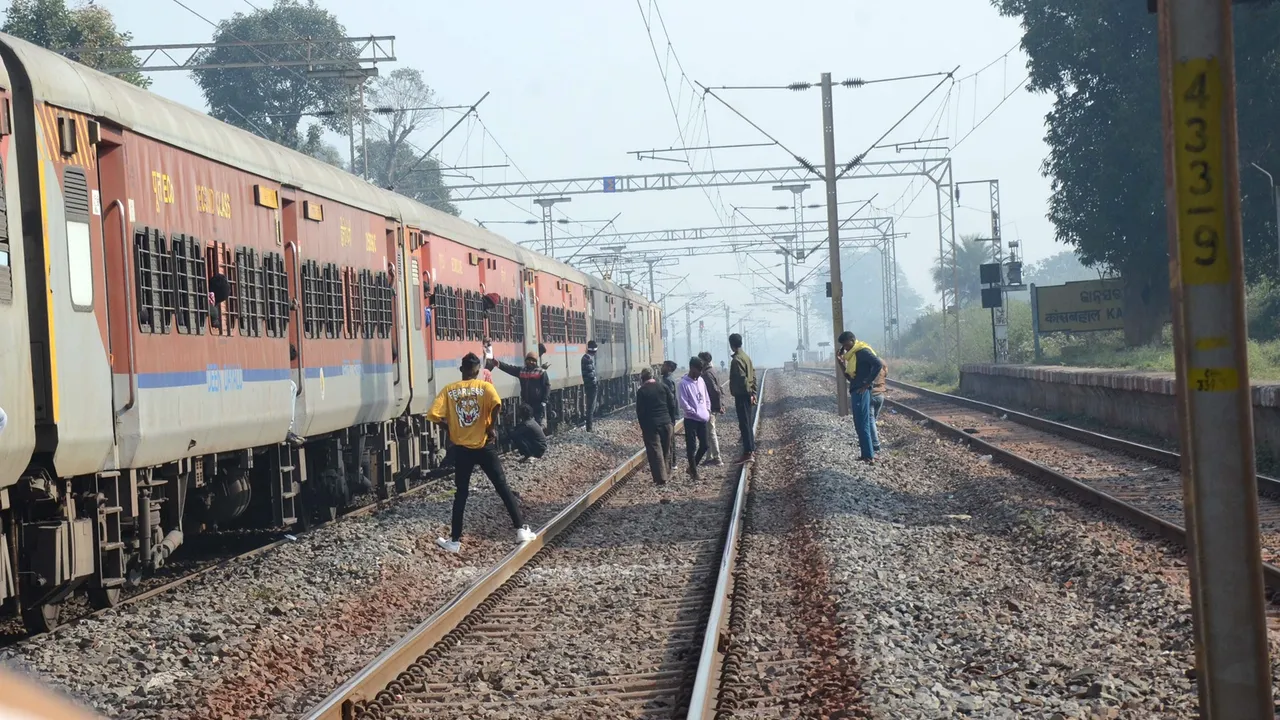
x=695, y=403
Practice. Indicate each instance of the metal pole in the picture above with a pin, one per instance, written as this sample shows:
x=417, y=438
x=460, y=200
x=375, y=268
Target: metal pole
x=995, y=345
x=833, y=234
x=688, y=329
x=1276, y=191
x=364, y=139
x=653, y=296
x=1206, y=251
x=351, y=130
x=1035, y=322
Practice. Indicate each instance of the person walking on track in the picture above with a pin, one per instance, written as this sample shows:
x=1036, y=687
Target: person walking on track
x=469, y=409
x=861, y=367
x=716, y=391
x=535, y=384
x=589, y=381
x=655, y=406
x=742, y=385
x=696, y=405
x=668, y=379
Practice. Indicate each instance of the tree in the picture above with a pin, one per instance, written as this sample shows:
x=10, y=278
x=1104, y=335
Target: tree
x=51, y=24
x=1099, y=59
x=1056, y=269
x=419, y=180
x=404, y=99
x=271, y=101
x=971, y=252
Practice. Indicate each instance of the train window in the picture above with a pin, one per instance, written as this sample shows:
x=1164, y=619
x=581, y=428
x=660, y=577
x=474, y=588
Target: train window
x=473, y=307
x=354, y=312
x=499, y=322
x=415, y=277
x=153, y=282
x=276, y=284
x=75, y=191
x=250, y=291
x=382, y=292
x=190, y=284
x=517, y=320
x=334, y=311
x=446, y=313
x=313, y=306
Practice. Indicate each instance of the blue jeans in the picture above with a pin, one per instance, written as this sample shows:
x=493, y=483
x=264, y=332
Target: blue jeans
x=860, y=403
x=877, y=402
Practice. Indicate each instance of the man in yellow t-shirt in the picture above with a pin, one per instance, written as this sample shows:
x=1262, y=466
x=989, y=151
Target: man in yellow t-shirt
x=469, y=408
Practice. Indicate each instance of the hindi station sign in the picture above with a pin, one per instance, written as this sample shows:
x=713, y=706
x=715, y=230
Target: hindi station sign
x=1083, y=306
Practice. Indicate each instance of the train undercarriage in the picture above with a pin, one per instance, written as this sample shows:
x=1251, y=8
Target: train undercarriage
x=100, y=534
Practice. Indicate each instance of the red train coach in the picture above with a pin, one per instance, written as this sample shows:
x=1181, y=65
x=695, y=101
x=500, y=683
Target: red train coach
x=200, y=328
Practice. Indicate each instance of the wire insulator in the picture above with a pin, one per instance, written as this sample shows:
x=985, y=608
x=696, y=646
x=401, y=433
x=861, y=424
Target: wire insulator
x=800, y=86
x=853, y=82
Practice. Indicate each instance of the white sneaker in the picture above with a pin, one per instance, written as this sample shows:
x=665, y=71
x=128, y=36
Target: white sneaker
x=450, y=546
x=524, y=534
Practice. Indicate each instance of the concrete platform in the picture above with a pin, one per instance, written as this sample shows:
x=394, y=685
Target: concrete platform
x=1141, y=401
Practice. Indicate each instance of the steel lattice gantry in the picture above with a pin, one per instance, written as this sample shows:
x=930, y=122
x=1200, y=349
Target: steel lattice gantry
x=936, y=170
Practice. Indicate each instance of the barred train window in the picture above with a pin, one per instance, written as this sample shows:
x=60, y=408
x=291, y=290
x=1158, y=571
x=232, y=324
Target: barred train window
x=313, y=309
x=191, y=284
x=351, y=282
x=334, y=308
x=153, y=281
x=276, y=284
x=250, y=291
x=218, y=260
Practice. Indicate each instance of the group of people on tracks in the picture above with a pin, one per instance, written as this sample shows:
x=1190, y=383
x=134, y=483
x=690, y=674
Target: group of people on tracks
x=696, y=398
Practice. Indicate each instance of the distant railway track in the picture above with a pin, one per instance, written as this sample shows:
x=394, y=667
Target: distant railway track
x=1137, y=483
x=624, y=618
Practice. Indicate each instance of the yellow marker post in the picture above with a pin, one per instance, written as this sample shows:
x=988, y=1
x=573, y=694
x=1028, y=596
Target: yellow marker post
x=1214, y=404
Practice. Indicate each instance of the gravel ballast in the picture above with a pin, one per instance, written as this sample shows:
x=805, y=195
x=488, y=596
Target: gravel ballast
x=966, y=590
x=271, y=636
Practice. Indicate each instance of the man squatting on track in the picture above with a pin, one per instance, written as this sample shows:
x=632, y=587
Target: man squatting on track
x=655, y=406
x=861, y=366
x=527, y=438
x=469, y=409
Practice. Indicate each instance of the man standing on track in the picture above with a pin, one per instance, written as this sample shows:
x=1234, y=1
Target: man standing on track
x=716, y=393
x=742, y=385
x=655, y=406
x=668, y=370
x=535, y=384
x=589, y=380
x=878, y=389
x=696, y=405
x=861, y=366
x=469, y=409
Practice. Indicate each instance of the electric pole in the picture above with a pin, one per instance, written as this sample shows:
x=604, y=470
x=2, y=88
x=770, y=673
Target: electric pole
x=833, y=233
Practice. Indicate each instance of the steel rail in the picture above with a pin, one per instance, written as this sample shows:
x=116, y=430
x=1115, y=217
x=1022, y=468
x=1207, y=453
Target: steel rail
x=1165, y=458
x=387, y=667
x=716, y=639
x=1067, y=485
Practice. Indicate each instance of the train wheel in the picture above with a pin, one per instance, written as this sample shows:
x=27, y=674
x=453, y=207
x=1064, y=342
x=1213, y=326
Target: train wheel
x=100, y=598
x=42, y=618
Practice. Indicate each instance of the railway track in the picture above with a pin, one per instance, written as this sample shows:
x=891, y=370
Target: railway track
x=599, y=616
x=221, y=549
x=1135, y=482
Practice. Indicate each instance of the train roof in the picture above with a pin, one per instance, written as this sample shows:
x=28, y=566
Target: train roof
x=65, y=83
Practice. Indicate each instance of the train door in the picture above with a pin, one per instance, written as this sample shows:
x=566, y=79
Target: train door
x=114, y=205
x=532, y=323
x=394, y=264
x=288, y=228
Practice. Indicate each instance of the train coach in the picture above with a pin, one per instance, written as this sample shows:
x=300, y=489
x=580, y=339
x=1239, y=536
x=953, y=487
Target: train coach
x=202, y=329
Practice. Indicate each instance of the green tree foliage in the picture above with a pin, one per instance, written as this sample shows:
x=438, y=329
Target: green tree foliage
x=1099, y=59
x=1063, y=267
x=971, y=253
x=51, y=24
x=271, y=101
x=418, y=180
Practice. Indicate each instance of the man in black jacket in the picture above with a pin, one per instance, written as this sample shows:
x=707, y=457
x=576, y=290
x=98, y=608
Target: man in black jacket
x=668, y=380
x=535, y=384
x=527, y=438
x=655, y=406
x=589, y=380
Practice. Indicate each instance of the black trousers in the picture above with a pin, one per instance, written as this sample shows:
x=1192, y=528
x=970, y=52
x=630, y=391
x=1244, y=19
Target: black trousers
x=591, y=402
x=657, y=448
x=743, y=405
x=695, y=433
x=464, y=461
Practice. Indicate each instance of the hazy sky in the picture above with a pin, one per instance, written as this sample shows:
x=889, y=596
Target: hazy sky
x=575, y=86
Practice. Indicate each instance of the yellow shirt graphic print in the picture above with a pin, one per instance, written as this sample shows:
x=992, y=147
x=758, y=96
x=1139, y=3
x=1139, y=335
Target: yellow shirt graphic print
x=467, y=406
